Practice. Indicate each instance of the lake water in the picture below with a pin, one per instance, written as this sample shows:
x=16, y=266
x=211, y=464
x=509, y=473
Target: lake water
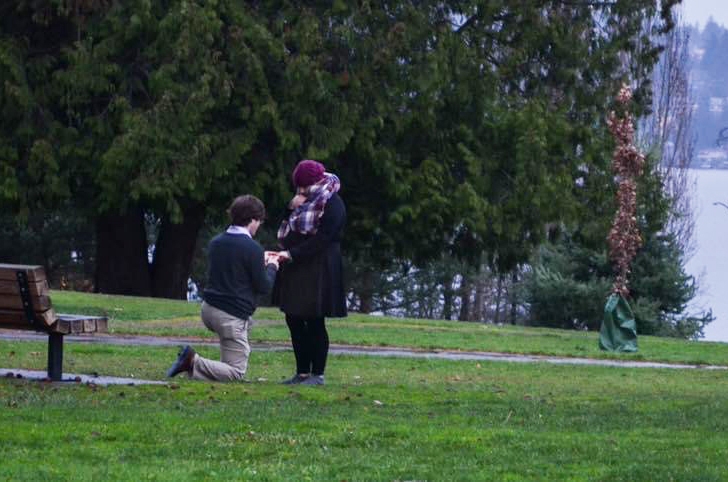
x=710, y=262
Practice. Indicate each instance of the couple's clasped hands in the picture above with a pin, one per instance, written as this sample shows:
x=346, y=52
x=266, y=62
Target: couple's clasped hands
x=276, y=257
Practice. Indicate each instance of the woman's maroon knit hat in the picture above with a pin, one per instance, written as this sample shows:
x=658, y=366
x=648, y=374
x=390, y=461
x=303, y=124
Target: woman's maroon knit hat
x=308, y=172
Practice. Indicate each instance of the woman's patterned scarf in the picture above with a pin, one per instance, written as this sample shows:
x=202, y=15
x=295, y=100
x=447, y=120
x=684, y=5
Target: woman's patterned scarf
x=305, y=218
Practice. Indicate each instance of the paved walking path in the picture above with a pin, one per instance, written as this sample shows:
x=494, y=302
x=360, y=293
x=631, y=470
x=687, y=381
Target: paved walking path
x=75, y=378
x=363, y=350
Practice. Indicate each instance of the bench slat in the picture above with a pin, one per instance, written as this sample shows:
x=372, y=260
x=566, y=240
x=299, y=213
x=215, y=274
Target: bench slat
x=17, y=317
x=37, y=288
x=13, y=323
x=34, y=272
x=102, y=325
x=13, y=302
x=76, y=324
x=64, y=324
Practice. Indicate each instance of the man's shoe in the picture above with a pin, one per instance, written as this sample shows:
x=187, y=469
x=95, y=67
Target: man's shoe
x=296, y=379
x=314, y=380
x=183, y=363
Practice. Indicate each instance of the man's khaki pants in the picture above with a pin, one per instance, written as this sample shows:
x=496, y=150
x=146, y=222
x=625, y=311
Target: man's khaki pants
x=234, y=347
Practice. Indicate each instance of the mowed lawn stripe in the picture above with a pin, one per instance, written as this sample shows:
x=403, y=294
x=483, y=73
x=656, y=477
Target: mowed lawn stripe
x=376, y=419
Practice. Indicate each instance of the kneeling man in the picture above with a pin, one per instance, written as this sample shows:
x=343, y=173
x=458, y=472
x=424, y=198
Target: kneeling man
x=238, y=272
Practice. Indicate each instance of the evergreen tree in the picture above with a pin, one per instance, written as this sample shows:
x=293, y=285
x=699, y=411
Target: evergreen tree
x=456, y=127
x=571, y=276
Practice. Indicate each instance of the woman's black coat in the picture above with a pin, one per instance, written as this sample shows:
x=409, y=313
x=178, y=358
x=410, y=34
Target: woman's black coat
x=311, y=284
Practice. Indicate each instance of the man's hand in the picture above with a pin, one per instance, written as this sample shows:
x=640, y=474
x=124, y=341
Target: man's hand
x=271, y=257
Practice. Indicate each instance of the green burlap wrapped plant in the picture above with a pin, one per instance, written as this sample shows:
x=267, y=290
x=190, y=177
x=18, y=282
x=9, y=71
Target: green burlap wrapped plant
x=619, y=329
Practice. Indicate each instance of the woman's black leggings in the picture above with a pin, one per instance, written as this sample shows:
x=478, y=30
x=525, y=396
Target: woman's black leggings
x=310, y=343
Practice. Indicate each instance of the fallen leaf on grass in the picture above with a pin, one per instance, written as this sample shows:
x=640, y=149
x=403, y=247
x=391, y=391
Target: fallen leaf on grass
x=509, y=416
x=378, y=403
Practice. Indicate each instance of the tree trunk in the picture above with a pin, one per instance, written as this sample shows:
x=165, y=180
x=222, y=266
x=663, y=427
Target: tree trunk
x=447, y=296
x=477, y=310
x=512, y=296
x=173, y=253
x=498, y=296
x=464, y=299
x=366, y=292
x=121, y=254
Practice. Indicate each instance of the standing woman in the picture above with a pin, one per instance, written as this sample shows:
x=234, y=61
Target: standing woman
x=310, y=286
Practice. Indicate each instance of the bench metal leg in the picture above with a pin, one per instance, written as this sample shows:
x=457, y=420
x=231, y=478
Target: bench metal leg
x=55, y=356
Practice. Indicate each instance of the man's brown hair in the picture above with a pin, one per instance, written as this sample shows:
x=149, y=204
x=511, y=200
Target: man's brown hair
x=246, y=208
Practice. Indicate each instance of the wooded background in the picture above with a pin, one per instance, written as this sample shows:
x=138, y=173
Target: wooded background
x=470, y=138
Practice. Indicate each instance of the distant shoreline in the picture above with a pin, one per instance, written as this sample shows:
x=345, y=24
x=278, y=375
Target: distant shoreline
x=710, y=168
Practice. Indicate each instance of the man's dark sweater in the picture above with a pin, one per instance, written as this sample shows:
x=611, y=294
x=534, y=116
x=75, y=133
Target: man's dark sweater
x=236, y=274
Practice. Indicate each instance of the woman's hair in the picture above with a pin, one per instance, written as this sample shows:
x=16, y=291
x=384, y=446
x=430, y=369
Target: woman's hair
x=246, y=208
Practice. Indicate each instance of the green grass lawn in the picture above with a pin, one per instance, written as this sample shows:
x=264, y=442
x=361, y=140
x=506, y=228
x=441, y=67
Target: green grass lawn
x=376, y=419
x=130, y=315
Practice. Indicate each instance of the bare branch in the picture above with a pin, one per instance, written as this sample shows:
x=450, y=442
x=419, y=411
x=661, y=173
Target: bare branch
x=667, y=133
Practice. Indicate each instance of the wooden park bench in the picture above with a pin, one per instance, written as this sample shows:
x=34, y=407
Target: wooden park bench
x=25, y=304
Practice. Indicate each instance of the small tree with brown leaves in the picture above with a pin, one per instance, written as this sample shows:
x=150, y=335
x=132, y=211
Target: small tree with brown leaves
x=627, y=164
